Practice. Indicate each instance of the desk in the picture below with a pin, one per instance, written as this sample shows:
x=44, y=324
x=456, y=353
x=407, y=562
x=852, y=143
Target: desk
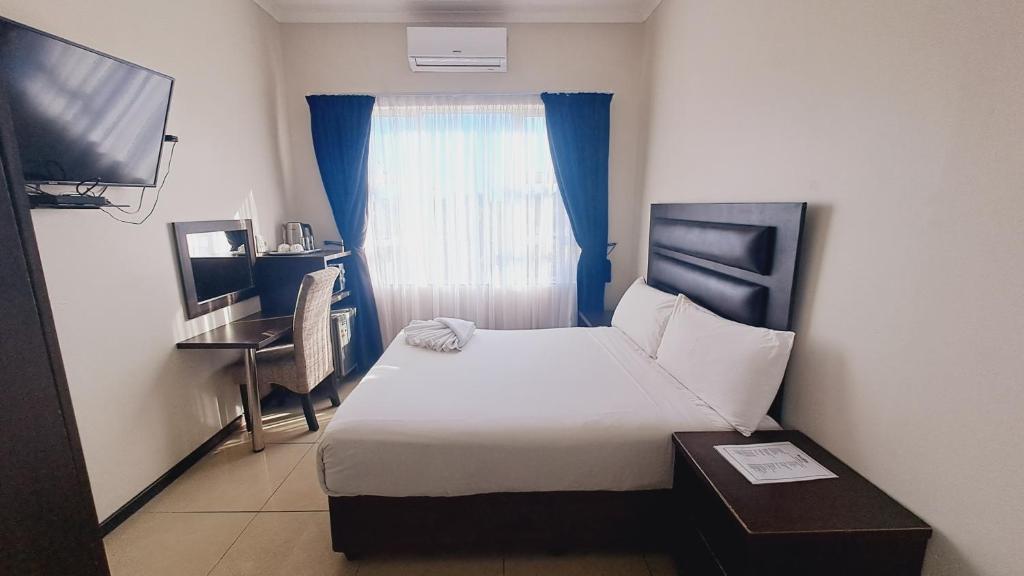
x=247, y=334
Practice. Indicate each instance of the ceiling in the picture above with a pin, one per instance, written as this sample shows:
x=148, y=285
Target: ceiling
x=459, y=11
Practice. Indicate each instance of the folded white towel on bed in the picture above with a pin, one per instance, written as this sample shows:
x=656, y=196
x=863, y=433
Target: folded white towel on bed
x=440, y=334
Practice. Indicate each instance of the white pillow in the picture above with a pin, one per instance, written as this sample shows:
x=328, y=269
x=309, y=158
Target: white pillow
x=642, y=314
x=735, y=368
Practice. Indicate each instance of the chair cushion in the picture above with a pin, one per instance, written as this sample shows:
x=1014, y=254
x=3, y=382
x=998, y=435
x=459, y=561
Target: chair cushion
x=274, y=365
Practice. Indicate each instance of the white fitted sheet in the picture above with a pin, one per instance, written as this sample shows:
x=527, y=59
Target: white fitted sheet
x=515, y=411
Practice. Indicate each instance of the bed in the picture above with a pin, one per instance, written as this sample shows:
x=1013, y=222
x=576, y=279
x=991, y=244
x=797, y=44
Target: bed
x=549, y=439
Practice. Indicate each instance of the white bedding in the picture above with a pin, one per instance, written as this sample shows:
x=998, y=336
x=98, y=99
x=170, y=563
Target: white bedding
x=516, y=411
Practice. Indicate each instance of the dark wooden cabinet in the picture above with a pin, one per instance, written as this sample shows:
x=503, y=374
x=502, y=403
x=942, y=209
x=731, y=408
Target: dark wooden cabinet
x=278, y=278
x=48, y=520
x=843, y=526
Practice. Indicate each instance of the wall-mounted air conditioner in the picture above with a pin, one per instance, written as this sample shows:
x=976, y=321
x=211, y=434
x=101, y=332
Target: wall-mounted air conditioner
x=457, y=49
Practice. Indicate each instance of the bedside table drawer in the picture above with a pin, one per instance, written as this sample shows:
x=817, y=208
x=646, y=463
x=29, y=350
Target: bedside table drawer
x=709, y=525
x=691, y=551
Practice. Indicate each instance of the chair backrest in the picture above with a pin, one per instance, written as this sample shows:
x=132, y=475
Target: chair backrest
x=314, y=356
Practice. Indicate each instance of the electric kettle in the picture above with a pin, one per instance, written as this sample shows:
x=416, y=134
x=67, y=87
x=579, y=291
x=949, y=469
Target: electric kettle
x=298, y=233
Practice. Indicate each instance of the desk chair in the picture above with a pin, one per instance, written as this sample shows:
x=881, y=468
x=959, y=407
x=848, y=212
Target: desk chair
x=309, y=360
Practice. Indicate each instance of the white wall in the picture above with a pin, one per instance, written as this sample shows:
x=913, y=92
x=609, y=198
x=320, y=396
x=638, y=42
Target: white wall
x=141, y=405
x=902, y=124
x=371, y=59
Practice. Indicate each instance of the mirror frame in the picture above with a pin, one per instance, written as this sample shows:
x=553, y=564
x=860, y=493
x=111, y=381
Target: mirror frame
x=193, y=307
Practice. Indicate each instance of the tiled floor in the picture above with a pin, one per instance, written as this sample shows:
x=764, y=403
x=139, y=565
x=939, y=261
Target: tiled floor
x=245, y=514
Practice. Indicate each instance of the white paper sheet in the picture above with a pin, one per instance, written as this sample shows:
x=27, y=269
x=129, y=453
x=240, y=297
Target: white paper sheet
x=773, y=462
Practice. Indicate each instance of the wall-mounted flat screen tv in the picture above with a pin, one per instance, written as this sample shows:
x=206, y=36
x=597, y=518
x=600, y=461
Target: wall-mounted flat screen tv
x=81, y=116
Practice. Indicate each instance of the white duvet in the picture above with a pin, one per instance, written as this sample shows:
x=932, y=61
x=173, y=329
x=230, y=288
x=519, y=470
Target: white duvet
x=515, y=411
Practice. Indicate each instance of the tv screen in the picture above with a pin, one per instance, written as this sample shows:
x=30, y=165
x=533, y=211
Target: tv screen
x=81, y=116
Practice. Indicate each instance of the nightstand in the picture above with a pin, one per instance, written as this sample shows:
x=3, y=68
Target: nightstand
x=590, y=318
x=843, y=526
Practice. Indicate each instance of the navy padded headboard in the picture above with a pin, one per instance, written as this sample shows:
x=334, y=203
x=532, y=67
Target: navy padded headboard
x=737, y=260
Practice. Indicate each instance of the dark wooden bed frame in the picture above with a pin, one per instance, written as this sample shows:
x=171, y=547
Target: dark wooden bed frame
x=738, y=260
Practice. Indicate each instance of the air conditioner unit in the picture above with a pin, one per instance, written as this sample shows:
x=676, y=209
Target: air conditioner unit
x=457, y=49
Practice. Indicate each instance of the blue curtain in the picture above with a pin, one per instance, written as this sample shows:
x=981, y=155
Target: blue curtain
x=578, y=133
x=341, y=137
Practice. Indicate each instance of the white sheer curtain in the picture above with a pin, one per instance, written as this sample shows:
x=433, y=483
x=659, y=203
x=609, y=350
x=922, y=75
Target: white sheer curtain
x=465, y=218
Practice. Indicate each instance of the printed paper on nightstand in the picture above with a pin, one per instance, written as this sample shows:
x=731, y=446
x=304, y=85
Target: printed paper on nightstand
x=773, y=462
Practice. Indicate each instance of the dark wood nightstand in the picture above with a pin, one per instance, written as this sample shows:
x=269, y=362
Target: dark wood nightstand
x=592, y=318
x=837, y=527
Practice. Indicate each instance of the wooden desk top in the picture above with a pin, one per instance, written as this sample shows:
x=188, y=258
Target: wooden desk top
x=252, y=332
x=847, y=503
x=322, y=253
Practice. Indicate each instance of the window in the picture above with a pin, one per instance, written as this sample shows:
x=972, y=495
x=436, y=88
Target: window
x=465, y=218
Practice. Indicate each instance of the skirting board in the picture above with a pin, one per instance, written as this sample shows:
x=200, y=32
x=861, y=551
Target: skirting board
x=132, y=506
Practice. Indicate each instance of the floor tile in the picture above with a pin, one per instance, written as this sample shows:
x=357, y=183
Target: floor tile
x=172, y=544
x=431, y=566
x=285, y=543
x=289, y=427
x=285, y=423
x=301, y=490
x=231, y=479
x=576, y=565
x=661, y=564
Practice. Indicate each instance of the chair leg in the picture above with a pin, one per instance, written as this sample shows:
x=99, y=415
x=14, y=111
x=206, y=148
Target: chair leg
x=307, y=409
x=332, y=392
x=245, y=407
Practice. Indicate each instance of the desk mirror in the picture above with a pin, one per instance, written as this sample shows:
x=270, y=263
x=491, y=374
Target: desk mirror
x=216, y=261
